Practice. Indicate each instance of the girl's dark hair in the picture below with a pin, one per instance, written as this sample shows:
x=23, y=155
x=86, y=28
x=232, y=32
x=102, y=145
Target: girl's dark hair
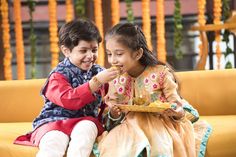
x=132, y=37
x=72, y=32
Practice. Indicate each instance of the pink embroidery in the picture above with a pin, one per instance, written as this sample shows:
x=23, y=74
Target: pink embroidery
x=120, y=90
x=115, y=81
x=153, y=76
x=146, y=81
x=122, y=80
x=162, y=98
x=161, y=79
x=154, y=86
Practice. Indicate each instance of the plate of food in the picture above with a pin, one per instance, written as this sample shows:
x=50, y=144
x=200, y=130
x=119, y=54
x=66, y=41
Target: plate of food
x=156, y=106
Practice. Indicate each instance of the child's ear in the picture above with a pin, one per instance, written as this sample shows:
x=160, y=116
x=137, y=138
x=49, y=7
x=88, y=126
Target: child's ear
x=65, y=50
x=139, y=54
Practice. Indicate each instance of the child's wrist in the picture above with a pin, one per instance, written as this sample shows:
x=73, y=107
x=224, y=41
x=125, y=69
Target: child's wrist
x=94, y=84
x=113, y=119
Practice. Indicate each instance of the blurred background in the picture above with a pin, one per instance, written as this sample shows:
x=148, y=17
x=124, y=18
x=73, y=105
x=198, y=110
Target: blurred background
x=36, y=23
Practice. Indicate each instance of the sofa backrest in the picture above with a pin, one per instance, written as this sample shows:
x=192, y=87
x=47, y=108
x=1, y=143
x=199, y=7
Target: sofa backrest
x=20, y=100
x=211, y=92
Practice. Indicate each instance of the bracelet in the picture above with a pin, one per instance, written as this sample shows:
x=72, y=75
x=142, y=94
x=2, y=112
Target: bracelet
x=95, y=79
x=113, y=119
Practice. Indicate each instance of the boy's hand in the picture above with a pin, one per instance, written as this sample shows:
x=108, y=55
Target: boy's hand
x=107, y=75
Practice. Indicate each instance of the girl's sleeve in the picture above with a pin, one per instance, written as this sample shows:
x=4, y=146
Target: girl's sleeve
x=170, y=87
x=170, y=90
x=60, y=92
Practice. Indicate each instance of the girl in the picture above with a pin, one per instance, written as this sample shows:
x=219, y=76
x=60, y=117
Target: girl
x=164, y=134
x=69, y=120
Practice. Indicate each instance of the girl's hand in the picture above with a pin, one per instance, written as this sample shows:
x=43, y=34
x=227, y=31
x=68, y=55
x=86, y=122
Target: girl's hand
x=115, y=112
x=176, y=113
x=107, y=75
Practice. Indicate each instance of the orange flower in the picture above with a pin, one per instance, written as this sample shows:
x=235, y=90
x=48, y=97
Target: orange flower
x=52, y=4
x=115, y=12
x=160, y=24
x=69, y=11
x=19, y=41
x=146, y=22
x=6, y=41
x=99, y=23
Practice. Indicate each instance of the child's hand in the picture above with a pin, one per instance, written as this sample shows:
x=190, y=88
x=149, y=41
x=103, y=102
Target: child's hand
x=107, y=75
x=115, y=112
x=177, y=113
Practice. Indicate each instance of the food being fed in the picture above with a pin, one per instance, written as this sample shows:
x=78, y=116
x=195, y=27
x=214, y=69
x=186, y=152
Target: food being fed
x=116, y=68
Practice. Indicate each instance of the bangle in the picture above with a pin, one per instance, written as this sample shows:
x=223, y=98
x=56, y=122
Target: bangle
x=95, y=79
x=114, y=119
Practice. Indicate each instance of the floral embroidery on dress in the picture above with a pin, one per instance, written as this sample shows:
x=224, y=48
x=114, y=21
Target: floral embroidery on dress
x=115, y=81
x=120, y=90
x=155, y=86
x=153, y=76
x=146, y=81
x=161, y=79
x=122, y=80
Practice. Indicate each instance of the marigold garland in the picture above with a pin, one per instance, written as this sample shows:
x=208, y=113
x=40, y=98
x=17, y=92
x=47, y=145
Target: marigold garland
x=160, y=30
x=19, y=40
x=147, y=21
x=217, y=20
x=115, y=12
x=6, y=41
x=202, y=22
x=99, y=23
x=52, y=4
x=69, y=11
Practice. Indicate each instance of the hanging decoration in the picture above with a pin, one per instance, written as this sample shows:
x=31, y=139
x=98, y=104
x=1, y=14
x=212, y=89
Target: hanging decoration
x=129, y=11
x=33, y=37
x=53, y=32
x=69, y=11
x=225, y=16
x=160, y=30
x=99, y=23
x=217, y=20
x=147, y=22
x=178, y=27
x=19, y=41
x=80, y=8
x=115, y=12
x=6, y=40
x=203, y=46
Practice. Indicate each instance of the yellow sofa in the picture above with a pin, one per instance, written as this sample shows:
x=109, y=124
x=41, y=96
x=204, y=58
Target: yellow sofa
x=212, y=93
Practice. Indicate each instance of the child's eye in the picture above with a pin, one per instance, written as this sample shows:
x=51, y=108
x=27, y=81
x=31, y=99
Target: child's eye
x=82, y=51
x=119, y=54
x=94, y=50
x=109, y=54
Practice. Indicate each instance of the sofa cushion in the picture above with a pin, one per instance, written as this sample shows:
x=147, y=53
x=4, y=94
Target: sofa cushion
x=222, y=141
x=8, y=133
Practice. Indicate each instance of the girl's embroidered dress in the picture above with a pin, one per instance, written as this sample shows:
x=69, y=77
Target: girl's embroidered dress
x=68, y=100
x=160, y=135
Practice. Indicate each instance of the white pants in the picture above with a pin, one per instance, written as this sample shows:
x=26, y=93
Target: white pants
x=80, y=143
